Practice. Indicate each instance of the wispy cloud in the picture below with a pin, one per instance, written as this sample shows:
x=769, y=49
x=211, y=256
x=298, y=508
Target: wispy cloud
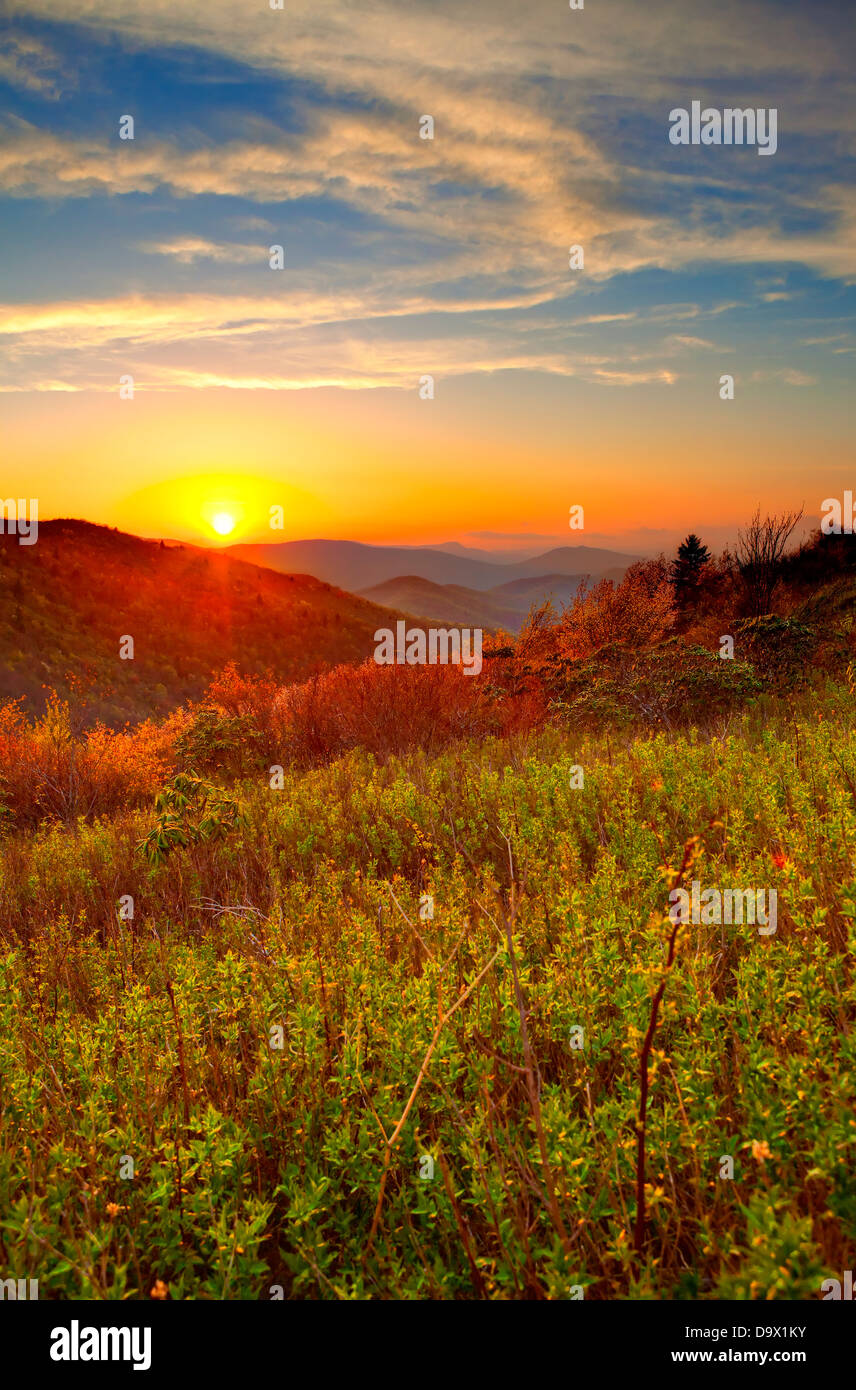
x=791, y=376
x=549, y=131
x=32, y=66
x=187, y=250
x=314, y=339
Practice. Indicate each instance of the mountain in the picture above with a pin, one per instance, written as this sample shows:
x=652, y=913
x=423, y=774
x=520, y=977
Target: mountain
x=490, y=557
x=573, y=560
x=560, y=588
x=354, y=566
x=66, y=601
x=448, y=604
x=504, y=606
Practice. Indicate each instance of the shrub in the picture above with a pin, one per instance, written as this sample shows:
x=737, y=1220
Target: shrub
x=643, y=604
x=780, y=649
x=665, y=686
x=390, y=709
x=51, y=769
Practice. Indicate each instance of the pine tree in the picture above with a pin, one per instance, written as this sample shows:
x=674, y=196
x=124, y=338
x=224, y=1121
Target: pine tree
x=687, y=566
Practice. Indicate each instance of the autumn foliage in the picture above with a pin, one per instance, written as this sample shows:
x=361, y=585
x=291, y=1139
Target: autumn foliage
x=626, y=654
x=52, y=769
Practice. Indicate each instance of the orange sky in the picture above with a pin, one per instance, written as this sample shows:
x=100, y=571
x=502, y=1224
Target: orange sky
x=384, y=466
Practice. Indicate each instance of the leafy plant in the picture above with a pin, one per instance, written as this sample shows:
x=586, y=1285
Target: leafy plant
x=189, y=812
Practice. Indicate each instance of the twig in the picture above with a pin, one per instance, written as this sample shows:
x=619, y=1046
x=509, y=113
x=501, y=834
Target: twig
x=639, y=1233
x=442, y=1020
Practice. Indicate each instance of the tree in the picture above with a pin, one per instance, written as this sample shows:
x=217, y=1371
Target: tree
x=760, y=549
x=641, y=610
x=687, y=567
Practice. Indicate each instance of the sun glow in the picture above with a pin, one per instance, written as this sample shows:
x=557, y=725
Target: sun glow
x=220, y=508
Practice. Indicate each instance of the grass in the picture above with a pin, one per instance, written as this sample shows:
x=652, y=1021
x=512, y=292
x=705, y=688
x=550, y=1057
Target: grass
x=260, y=1168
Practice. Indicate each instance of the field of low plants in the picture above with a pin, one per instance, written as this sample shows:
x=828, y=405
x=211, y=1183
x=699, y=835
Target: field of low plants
x=378, y=1032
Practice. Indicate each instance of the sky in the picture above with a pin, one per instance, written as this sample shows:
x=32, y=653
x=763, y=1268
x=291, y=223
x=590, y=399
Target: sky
x=303, y=388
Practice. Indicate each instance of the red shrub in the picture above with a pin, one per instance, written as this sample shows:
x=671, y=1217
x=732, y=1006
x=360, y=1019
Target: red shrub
x=389, y=709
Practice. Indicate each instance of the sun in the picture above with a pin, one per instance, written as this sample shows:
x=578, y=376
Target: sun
x=223, y=523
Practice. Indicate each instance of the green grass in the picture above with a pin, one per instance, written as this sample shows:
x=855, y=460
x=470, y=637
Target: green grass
x=257, y=1167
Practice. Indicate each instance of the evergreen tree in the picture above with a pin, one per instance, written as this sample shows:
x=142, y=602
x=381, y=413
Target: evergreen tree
x=687, y=566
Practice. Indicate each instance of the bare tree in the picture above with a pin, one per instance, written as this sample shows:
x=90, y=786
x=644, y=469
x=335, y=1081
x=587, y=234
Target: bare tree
x=760, y=549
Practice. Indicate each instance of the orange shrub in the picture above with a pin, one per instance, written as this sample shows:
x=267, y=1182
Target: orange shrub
x=641, y=609
x=51, y=770
x=238, y=694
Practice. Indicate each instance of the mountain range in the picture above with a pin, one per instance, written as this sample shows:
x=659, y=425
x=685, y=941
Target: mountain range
x=359, y=568
x=504, y=606
x=291, y=609
x=354, y=566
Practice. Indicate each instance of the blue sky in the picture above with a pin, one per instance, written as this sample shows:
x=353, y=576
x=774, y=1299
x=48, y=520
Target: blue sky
x=446, y=256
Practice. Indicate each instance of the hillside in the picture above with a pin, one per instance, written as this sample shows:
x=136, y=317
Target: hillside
x=66, y=602
x=449, y=921
x=446, y=603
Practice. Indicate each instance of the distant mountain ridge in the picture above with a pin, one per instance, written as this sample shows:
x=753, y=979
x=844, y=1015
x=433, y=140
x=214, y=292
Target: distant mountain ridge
x=504, y=606
x=354, y=566
x=491, y=557
x=449, y=604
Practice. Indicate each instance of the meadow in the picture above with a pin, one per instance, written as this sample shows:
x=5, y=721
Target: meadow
x=301, y=1168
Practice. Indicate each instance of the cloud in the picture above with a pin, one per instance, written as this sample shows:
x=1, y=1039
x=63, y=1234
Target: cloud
x=603, y=318
x=528, y=156
x=383, y=171
x=789, y=375
x=32, y=66
x=186, y=250
x=679, y=341
x=547, y=134
x=291, y=342
x=659, y=376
